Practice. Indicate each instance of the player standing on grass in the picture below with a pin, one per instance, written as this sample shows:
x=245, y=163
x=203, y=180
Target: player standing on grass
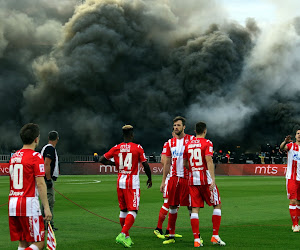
x=178, y=193
x=293, y=177
x=198, y=159
x=165, y=207
x=127, y=158
x=26, y=185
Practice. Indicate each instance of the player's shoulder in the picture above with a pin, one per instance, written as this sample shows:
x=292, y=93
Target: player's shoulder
x=37, y=155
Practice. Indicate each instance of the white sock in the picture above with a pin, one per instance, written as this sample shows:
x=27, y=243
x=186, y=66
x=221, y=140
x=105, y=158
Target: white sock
x=34, y=247
x=21, y=248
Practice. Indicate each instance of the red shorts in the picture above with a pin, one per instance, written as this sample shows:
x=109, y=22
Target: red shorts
x=201, y=193
x=129, y=199
x=293, y=189
x=178, y=191
x=27, y=228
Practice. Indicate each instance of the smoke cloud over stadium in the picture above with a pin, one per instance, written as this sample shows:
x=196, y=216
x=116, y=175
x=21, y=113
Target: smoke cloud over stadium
x=87, y=69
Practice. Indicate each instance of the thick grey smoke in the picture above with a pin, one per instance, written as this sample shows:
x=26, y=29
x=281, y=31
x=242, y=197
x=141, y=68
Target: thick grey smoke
x=143, y=62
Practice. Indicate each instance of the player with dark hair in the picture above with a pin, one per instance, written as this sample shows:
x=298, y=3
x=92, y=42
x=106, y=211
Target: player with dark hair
x=293, y=177
x=51, y=169
x=178, y=183
x=26, y=185
x=197, y=158
x=127, y=158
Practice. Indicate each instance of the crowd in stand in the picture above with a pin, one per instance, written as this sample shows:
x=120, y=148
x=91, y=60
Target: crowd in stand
x=268, y=155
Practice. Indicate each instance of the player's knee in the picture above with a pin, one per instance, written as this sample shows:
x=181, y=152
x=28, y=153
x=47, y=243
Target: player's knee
x=219, y=206
x=293, y=202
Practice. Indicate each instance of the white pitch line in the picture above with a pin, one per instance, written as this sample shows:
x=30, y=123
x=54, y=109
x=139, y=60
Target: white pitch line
x=88, y=182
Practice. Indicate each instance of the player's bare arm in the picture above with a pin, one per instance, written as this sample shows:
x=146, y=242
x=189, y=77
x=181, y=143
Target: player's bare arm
x=287, y=140
x=41, y=186
x=47, y=168
x=186, y=163
x=211, y=169
x=148, y=173
x=104, y=161
x=166, y=170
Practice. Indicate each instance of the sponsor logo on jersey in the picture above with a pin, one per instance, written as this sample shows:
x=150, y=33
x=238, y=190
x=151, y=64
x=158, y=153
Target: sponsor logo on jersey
x=13, y=193
x=197, y=169
x=296, y=157
x=176, y=154
x=125, y=148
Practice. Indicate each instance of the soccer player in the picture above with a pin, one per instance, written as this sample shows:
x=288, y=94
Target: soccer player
x=26, y=185
x=127, y=158
x=165, y=207
x=293, y=177
x=198, y=159
x=177, y=189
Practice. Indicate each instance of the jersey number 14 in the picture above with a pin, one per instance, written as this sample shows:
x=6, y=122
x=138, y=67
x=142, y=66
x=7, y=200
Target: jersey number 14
x=126, y=163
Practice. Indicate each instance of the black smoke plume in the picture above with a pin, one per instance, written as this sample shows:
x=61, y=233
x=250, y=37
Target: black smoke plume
x=87, y=69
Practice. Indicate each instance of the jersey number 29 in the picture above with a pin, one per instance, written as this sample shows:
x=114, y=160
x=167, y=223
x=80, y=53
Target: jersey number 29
x=195, y=154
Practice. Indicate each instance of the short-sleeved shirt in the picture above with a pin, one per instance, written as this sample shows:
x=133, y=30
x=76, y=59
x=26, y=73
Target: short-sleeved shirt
x=50, y=152
x=127, y=157
x=293, y=162
x=164, y=150
x=195, y=152
x=175, y=149
x=25, y=165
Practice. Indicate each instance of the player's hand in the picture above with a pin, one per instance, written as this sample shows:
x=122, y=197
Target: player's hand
x=162, y=188
x=49, y=184
x=288, y=139
x=48, y=214
x=149, y=183
x=212, y=185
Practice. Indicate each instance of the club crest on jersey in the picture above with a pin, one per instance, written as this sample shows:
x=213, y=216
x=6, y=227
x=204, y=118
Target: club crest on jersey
x=173, y=143
x=125, y=148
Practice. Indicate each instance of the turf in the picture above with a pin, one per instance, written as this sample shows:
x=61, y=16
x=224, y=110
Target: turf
x=255, y=215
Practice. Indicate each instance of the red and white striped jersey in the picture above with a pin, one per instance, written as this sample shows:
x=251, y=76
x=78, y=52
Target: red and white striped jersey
x=293, y=162
x=164, y=150
x=127, y=157
x=25, y=165
x=175, y=149
x=195, y=152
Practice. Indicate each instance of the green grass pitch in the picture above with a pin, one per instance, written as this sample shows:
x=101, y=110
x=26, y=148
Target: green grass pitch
x=255, y=215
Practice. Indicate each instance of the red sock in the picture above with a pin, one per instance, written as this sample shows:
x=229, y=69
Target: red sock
x=298, y=214
x=195, y=225
x=216, y=221
x=172, y=220
x=293, y=213
x=122, y=222
x=162, y=215
x=129, y=220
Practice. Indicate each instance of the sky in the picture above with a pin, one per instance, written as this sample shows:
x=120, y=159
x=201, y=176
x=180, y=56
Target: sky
x=263, y=11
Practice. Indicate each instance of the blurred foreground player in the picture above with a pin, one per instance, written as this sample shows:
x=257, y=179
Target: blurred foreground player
x=26, y=185
x=197, y=158
x=293, y=177
x=127, y=158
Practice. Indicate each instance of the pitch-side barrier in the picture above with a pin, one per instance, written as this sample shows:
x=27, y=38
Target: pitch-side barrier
x=94, y=168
